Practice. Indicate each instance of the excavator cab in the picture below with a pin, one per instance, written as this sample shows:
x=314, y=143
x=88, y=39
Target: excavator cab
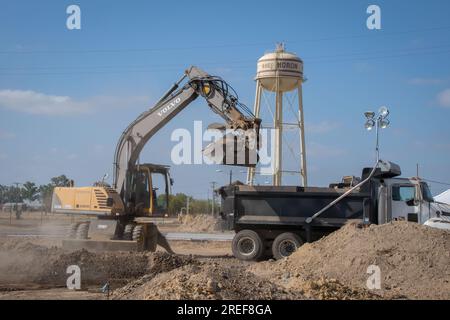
x=149, y=189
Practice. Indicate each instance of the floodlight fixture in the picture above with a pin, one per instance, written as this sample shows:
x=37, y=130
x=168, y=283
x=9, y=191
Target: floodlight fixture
x=370, y=124
x=383, y=112
x=379, y=121
x=384, y=123
x=369, y=115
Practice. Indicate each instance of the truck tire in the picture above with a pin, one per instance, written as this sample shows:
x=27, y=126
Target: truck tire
x=128, y=232
x=82, y=231
x=247, y=245
x=72, y=230
x=285, y=244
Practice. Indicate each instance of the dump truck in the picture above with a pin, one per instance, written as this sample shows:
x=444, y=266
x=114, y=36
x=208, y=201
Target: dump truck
x=124, y=213
x=274, y=221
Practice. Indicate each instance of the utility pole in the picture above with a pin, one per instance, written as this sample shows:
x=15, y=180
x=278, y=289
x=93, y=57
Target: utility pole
x=231, y=177
x=213, y=185
x=187, y=205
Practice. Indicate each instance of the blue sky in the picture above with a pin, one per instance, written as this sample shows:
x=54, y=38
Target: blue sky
x=66, y=95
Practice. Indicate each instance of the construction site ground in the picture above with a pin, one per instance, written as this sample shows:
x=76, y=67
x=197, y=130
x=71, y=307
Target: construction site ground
x=414, y=263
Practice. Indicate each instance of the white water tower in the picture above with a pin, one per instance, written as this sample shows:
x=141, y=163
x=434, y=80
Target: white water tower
x=281, y=72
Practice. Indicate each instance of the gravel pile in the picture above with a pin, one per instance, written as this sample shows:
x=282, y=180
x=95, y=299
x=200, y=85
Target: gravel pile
x=204, y=281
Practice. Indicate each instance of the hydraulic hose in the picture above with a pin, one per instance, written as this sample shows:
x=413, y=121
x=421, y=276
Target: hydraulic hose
x=318, y=213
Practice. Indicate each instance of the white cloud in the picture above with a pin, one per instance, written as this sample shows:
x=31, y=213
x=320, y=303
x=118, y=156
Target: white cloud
x=38, y=103
x=32, y=102
x=425, y=81
x=321, y=127
x=443, y=98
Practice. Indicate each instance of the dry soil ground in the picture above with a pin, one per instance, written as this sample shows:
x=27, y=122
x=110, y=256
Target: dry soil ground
x=414, y=263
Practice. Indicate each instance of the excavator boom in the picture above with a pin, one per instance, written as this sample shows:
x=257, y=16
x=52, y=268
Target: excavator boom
x=219, y=96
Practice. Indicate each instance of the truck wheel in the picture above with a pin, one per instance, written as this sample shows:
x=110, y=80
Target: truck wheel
x=285, y=244
x=82, y=231
x=128, y=232
x=247, y=245
x=72, y=230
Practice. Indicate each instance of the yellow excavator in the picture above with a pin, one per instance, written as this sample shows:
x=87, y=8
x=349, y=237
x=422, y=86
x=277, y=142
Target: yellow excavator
x=141, y=191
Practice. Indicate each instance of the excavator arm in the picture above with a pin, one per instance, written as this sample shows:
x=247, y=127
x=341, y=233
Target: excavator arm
x=219, y=96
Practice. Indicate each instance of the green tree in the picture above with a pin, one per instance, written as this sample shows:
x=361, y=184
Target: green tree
x=176, y=202
x=14, y=194
x=30, y=191
x=196, y=206
x=60, y=181
x=200, y=206
x=3, y=190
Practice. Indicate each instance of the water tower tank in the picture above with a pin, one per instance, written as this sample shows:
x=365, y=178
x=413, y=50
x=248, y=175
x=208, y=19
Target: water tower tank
x=281, y=72
x=281, y=65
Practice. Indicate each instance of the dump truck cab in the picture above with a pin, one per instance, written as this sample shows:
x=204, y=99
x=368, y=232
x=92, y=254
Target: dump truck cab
x=408, y=199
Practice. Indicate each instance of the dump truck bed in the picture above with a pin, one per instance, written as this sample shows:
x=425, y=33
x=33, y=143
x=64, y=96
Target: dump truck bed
x=256, y=207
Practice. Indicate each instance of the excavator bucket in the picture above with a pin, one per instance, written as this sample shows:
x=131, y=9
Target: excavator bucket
x=234, y=150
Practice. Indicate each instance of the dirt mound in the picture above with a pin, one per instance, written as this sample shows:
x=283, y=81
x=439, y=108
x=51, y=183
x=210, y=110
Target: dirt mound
x=414, y=260
x=199, y=223
x=204, y=281
x=26, y=262
x=331, y=289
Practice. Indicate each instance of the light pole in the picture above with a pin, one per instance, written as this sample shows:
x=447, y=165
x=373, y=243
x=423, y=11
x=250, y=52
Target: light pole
x=213, y=186
x=377, y=121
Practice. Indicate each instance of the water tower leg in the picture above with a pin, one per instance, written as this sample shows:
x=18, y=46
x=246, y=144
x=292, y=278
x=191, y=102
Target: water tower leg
x=278, y=124
x=303, y=171
x=256, y=112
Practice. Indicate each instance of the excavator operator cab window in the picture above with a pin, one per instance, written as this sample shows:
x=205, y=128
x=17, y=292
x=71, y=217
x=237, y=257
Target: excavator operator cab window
x=159, y=193
x=141, y=190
